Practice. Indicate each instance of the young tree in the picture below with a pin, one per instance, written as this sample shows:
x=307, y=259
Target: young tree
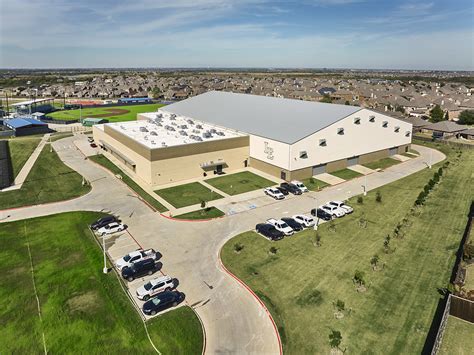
x=378, y=197
x=374, y=261
x=335, y=339
x=359, y=278
x=436, y=114
x=467, y=117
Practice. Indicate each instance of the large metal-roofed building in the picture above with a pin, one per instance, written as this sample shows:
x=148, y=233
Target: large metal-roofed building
x=224, y=132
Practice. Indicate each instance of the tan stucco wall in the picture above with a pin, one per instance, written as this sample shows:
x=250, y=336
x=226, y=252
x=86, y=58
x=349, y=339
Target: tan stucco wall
x=336, y=165
x=267, y=168
x=188, y=166
x=176, y=163
x=367, y=158
x=301, y=174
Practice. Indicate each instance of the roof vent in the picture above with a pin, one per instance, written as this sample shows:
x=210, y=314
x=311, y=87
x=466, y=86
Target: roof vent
x=371, y=118
x=385, y=124
x=340, y=131
x=407, y=134
x=357, y=120
x=322, y=143
x=397, y=129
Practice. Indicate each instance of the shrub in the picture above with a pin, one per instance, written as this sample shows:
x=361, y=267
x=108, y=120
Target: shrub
x=238, y=247
x=359, y=277
x=312, y=180
x=378, y=197
x=340, y=305
x=309, y=297
x=360, y=200
x=203, y=203
x=335, y=339
x=273, y=250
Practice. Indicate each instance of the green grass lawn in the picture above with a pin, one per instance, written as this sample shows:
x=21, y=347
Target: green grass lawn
x=187, y=194
x=301, y=283
x=83, y=310
x=234, y=184
x=346, y=174
x=106, y=163
x=20, y=151
x=48, y=181
x=205, y=213
x=458, y=338
x=314, y=184
x=133, y=110
x=382, y=163
x=469, y=282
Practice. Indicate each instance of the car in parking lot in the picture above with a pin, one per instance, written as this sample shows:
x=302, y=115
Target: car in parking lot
x=273, y=192
x=281, y=226
x=291, y=188
x=304, y=220
x=342, y=205
x=135, y=256
x=300, y=185
x=110, y=228
x=293, y=224
x=320, y=213
x=140, y=268
x=269, y=231
x=282, y=190
x=333, y=210
x=103, y=222
x=154, y=287
x=162, y=301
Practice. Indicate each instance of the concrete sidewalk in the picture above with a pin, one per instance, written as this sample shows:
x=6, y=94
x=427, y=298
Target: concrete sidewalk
x=361, y=169
x=329, y=179
x=25, y=170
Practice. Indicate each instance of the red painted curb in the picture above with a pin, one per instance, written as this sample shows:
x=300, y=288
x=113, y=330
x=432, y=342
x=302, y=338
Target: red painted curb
x=190, y=220
x=257, y=298
x=130, y=234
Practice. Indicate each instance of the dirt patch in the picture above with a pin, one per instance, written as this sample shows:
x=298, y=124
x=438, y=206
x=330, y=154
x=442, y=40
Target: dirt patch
x=112, y=112
x=85, y=303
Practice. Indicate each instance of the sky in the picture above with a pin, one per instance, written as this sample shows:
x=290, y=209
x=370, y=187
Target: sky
x=364, y=34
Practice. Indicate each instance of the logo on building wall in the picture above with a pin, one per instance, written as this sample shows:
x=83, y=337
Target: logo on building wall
x=268, y=151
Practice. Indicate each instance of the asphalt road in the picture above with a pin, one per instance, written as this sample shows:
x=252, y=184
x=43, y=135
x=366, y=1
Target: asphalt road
x=234, y=320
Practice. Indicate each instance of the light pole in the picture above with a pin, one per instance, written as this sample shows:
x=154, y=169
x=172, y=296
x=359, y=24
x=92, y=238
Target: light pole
x=364, y=187
x=105, y=270
x=431, y=157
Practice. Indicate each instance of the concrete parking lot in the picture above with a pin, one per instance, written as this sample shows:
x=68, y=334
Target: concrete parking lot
x=191, y=250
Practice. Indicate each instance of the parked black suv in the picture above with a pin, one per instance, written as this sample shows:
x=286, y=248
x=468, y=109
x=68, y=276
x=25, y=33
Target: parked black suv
x=320, y=213
x=103, y=222
x=293, y=224
x=140, y=268
x=162, y=301
x=267, y=230
x=291, y=188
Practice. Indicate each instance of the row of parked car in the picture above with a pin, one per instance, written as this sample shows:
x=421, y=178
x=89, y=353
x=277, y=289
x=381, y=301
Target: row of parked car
x=159, y=293
x=294, y=187
x=276, y=229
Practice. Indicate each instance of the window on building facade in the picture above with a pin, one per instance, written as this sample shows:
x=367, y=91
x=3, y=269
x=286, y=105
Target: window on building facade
x=303, y=154
x=322, y=143
x=340, y=131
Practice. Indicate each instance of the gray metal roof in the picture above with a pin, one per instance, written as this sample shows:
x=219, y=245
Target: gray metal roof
x=284, y=120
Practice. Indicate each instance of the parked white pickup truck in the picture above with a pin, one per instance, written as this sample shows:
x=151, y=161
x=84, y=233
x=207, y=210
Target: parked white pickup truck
x=134, y=256
x=281, y=226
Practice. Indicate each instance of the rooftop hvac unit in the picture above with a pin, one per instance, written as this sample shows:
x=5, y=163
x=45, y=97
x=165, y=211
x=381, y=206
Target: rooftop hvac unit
x=159, y=115
x=196, y=131
x=183, y=133
x=207, y=135
x=199, y=126
x=174, y=123
x=220, y=133
x=169, y=128
x=190, y=121
x=153, y=133
x=213, y=130
x=143, y=129
x=197, y=138
x=163, y=144
x=183, y=126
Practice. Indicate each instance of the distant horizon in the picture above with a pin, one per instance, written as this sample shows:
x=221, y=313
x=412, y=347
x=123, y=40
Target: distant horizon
x=380, y=34
x=302, y=69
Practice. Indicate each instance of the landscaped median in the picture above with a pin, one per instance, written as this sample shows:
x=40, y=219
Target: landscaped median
x=382, y=163
x=346, y=174
x=238, y=183
x=50, y=180
x=20, y=151
x=202, y=214
x=374, y=276
x=187, y=194
x=82, y=310
x=106, y=163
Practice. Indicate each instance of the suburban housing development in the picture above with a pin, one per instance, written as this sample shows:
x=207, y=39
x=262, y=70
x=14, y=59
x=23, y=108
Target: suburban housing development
x=222, y=132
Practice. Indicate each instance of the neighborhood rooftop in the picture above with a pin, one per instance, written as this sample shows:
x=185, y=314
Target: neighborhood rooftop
x=280, y=119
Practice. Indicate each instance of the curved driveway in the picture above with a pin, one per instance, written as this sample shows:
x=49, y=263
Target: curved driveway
x=234, y=321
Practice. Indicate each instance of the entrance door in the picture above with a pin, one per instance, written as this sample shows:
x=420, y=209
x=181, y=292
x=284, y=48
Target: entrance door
x=319, y=169
x=218, y=169
x=392, y=151
x=283, y=175
x=353, y=161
